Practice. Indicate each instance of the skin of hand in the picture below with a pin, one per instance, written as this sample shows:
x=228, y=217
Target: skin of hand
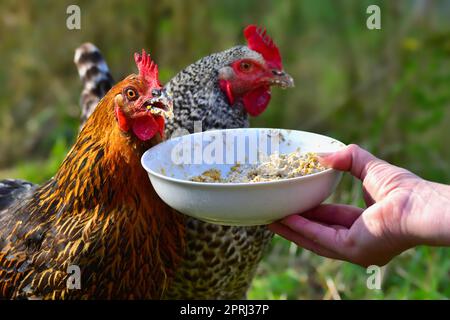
x=403, y=211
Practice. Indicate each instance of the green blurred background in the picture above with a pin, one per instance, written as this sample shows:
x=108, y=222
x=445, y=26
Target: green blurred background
x=387, y=90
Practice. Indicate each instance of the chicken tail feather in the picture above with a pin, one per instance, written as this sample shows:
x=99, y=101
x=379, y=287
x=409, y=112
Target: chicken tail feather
x=95, y=75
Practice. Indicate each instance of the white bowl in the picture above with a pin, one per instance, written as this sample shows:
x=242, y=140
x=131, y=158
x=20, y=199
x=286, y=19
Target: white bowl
x=171, y=164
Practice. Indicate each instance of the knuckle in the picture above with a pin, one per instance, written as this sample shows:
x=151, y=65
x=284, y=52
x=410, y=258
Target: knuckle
x=353, y=148
x=342, y=238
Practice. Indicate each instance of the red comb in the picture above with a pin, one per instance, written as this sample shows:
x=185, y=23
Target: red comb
x=259, y=41
x=147, y=69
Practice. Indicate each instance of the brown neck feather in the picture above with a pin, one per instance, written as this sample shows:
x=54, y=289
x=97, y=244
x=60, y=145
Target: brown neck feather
x=102, y=180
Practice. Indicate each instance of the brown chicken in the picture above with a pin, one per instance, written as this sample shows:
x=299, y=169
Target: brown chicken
x=99, y=213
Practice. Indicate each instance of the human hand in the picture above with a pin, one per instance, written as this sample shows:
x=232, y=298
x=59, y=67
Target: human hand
x=403, y=211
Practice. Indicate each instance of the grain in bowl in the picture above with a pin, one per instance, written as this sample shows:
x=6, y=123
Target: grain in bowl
x=274, y=167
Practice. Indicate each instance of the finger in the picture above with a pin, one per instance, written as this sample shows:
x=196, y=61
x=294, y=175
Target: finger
x=303, y=242
x=335, y=240
x=352, y=158
x=337, y=214
x=375, y=173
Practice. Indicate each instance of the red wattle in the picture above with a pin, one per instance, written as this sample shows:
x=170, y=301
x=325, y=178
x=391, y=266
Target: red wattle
x=226, y=87
x=121, y=119
x=256, y=101
x=161, y=125
x=145, y=127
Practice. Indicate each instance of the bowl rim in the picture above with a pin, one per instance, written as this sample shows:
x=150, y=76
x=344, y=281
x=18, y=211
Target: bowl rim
x=238, y=184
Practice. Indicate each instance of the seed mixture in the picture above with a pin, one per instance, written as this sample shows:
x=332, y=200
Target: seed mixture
x=275, y=167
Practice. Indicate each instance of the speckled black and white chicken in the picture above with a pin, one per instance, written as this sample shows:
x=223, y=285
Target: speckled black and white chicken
x=221, y=91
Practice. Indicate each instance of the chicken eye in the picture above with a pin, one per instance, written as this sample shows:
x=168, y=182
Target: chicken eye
x=156, y=93
x=131, y=94
x=245, y=66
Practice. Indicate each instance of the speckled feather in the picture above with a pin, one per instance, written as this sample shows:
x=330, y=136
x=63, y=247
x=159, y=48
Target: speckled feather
x=197, y=96
x=219, y=262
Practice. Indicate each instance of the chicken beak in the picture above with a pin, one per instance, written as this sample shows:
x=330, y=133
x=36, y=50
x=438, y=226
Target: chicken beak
x=161, y=105
x=281, y=79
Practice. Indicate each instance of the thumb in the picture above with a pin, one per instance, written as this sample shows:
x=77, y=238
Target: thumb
x=363, y=165
x=352, y=158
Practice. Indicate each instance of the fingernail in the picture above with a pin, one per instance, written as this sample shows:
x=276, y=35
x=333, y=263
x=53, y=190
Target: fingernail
x=324, y=154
